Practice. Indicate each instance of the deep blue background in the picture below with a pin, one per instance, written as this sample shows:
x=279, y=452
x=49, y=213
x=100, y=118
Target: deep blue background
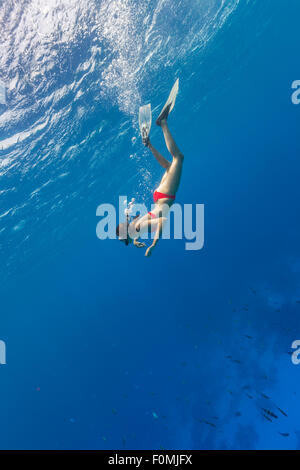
x=109, y=350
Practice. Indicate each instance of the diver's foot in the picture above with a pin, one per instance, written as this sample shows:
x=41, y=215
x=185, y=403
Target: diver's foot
x=146, y=141
x=163, y=115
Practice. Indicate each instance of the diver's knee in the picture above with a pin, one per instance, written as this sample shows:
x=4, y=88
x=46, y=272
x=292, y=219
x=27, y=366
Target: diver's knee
x=179, y=156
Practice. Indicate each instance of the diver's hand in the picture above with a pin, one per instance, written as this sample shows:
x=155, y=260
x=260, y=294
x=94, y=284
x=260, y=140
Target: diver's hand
x=139, y=244
x=149, y=250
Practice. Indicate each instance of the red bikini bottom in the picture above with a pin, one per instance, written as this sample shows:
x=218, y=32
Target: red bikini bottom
x=157, y=196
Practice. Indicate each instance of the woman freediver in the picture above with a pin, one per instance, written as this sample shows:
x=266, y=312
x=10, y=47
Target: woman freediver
x=164, y=195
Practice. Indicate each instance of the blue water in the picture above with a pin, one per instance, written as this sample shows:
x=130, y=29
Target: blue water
x=107, y=349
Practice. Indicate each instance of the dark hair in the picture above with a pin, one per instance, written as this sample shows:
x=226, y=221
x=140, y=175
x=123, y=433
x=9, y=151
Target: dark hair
x=126, y=240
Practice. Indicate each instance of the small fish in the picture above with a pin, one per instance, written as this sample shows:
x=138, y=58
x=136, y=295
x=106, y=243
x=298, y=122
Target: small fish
x=114, y=411
x=281, y=411
x=284, y=434
x=268, y=412
x=210, y=424
x=237, y=413
x=249, y=337
x=269, y=419
x=265, y=396
x=236, y=361
x=154, y=415
x=249, y=396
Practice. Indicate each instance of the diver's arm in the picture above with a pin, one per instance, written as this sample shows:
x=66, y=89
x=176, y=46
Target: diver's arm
x=137, y=229
x=157, y=236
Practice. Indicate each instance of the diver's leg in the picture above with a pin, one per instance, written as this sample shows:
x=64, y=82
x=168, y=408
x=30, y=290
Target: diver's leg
x=170, y=142
x=171, y=178
x=161, y=160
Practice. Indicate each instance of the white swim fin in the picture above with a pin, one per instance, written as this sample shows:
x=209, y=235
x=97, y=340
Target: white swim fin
x=145, y=121
x=169, y=105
